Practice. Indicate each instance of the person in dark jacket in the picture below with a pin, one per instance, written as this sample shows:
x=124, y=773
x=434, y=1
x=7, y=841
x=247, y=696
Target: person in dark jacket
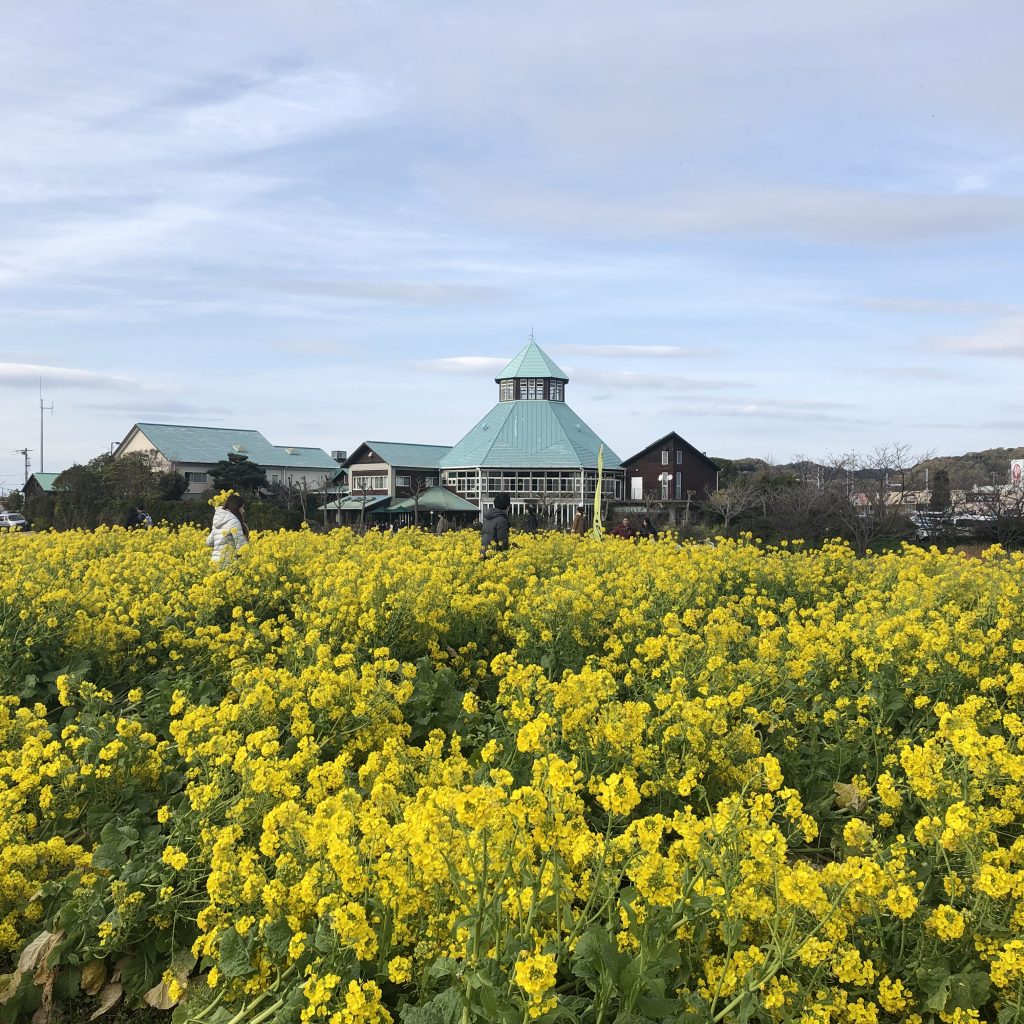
x=494, y=529
x=137, y=517
x=646, y=528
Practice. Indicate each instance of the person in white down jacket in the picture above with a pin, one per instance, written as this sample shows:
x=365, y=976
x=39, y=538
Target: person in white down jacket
x=229, y=532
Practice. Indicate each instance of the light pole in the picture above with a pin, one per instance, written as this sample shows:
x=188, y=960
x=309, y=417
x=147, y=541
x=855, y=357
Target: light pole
x=24, y=452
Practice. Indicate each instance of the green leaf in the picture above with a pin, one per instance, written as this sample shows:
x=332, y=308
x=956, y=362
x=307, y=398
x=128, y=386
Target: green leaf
x=278, y=937
x=234, y=956
x=968, y=990
x=442, y=969
x=659, y=1007
x=324, y=940
x=444, y=1008
x=933, y=980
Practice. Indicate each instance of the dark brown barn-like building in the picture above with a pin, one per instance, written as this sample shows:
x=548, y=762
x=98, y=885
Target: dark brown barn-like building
x=669, y=468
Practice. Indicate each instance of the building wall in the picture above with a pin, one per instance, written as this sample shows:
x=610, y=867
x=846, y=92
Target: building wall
x=687, y=472
x=372, y=468
x=140, y=444
x=530, y=486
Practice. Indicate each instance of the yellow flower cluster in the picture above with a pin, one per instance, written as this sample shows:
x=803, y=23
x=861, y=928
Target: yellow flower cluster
x=350, y=776
x=220, y=497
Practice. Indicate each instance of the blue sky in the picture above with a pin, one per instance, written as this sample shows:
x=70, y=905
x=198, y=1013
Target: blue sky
x=779, y=229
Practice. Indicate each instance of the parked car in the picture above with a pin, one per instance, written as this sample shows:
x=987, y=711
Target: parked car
x=12, y=521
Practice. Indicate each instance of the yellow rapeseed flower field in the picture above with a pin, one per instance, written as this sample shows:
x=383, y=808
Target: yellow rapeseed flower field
x=376, y=779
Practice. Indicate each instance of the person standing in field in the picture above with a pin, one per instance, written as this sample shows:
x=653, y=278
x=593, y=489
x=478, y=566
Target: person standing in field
x=624, y=529
x=494, y=525
x=229, y=533
x=441, y=527
x=579, y=522
x=646, y=528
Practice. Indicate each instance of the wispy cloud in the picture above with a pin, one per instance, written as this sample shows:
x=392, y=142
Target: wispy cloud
x=478, y=365
x=816, y=214
x=410, y=292
x=312, y=347
x=935, y=373
x=934, y=306
x=134, y=410
x=804, y=410
x=1002, y=338
x=20, y=374
x=639, y=351
x=94, y=242
x=651, y=381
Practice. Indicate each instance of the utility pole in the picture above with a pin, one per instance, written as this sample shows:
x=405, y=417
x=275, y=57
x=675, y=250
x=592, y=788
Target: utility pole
x=24, y=452
x=42, y=409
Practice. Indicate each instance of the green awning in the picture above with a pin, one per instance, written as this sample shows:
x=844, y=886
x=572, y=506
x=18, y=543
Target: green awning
x=355, y=504
x=435, y=499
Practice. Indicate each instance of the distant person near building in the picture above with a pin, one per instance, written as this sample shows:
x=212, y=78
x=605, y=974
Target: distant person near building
x=137, y=518
x=579, y=521
x=624, y=529
x=646, y=528
x=442, y=526
x=532, y=521
x=494, y=529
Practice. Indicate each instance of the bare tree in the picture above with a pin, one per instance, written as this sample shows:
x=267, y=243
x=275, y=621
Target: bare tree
x=1000, y=515
x=876, y=488
x=740, y=497
x=419, y=488
x=363, y=487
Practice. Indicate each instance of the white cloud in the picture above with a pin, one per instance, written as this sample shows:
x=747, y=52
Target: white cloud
x=833, y=215
x=933, y=307
x=1003, y=338
x=418, y=293
x=654, y=381
x=20, y=374
x=638, y=351
x=797, y=409
x=478, y=365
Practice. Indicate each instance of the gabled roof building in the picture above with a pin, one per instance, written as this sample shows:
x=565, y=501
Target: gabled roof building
x=532, y=445
x=39, y=483
x=670, y=469
x=193, y=451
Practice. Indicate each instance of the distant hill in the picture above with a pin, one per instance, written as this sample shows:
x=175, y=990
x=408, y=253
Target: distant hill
x=991, y=466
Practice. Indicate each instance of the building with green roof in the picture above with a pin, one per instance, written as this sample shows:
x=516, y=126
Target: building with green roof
x=39, y=483
x=390, y=470
x=532, y=445
x=193, y=451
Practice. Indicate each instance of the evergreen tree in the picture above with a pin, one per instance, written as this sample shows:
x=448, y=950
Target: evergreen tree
x=237, y=473
x=940, y=499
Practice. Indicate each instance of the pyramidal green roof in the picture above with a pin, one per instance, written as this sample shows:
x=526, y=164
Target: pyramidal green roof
x=530, y=434
x=532, y=361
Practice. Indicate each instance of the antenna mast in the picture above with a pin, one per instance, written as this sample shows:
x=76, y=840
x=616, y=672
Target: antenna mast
x=42, y=409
